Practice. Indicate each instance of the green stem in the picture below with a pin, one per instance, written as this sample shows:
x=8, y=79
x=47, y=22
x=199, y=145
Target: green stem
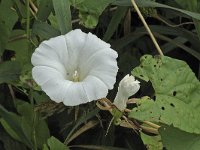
x=34, y=132
x=27, y=19
x=31, y=96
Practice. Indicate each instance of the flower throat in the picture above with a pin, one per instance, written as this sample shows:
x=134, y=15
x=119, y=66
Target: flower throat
x=75, y=76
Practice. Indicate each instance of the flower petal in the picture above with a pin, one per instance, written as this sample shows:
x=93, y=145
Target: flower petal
x=92, y=45
x=82, y=92
x=56, y=88
x=94, y=88
x=75, y=95
x=75, y=41
x=103, y=65
x=52, y=53
x=42, y=74
x=51, y=81
x=129, y=86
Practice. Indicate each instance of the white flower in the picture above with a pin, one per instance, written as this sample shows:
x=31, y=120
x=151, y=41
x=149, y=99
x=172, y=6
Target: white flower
x=128, y=86
x=75, y=68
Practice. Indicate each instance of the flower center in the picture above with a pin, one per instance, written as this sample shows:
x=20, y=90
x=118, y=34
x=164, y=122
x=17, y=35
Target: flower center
x=75, y=76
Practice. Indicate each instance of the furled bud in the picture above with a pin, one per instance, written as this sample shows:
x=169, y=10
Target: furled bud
x=128, y=86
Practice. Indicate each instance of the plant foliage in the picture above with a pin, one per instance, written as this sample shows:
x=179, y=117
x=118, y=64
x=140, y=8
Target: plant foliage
x=163, y=114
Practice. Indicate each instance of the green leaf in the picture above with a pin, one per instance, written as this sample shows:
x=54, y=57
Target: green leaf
x=9, y=143
x=164, y=30
x=88, y=20
x=20, y=45
x=44, y=10
x=152, y=142
x=175, y=139
x=117, y=17
x=8, y=18
x=175, y=43
x=81, y=120
x=63, y=15
x=149, y=3
x=32, y=122
x=90, y=10
x=177, y=93
x=54, y=144
x=9, y=71
x=10, y=131
x=44, y=30
x=12, y=124
x=189, y=5
x=99, y=147
x=20, y=8
x=28, y=128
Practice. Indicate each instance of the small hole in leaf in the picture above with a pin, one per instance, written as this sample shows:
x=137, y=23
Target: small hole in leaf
x=161, y=79
x=174, y=93
x=141, y=76
x=151, y=112
x=154, y=65
x=171, y=104
x=141, y=66
x=163, y=108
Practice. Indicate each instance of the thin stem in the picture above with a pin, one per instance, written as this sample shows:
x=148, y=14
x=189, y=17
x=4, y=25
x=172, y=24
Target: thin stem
x=33, y=6
x=147, y=28
x=152, y=124
x=32, y=12
x=171, y=25
x=83, y=129
x=75, y=20
x=31, y=96
x=149, y=130
x=12, y=93
x=34, y=132
x=28, y=19
x=18, y=37
x=76, y=112
x=153, y=128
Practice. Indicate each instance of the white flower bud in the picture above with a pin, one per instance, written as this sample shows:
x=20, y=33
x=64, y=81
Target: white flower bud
x=128, y=86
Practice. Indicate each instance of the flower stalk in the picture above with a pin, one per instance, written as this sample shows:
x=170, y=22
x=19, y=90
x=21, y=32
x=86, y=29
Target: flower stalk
x=147, y=28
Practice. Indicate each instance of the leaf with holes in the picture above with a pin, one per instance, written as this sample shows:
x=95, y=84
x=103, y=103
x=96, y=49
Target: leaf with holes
x=177, y=93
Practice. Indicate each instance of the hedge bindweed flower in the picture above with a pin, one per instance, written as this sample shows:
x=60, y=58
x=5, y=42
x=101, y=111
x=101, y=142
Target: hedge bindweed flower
x=128, y=86
x=75, y=68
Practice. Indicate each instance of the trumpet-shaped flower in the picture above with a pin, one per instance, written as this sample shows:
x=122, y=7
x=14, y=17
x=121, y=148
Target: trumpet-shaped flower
x=128, y=86
x=75, y=68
